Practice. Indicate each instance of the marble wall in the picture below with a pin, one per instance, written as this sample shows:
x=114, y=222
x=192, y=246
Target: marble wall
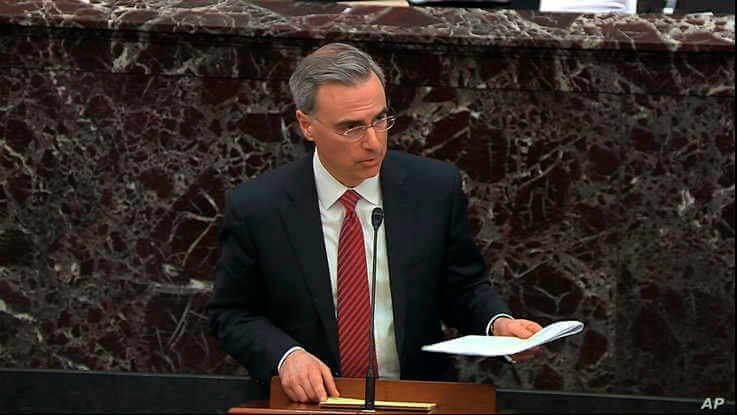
x=597, y=151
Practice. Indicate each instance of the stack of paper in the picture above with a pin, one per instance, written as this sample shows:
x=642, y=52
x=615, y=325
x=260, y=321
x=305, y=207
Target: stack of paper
x=504, y=345
x=352, y=403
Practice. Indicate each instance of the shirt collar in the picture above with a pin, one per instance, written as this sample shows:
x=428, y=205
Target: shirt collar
x=329, y=189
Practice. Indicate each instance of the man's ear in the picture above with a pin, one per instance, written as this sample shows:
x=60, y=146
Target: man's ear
x=305, y=124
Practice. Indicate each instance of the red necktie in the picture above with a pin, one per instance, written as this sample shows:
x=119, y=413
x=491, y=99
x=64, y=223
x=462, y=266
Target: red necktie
x=354, y=304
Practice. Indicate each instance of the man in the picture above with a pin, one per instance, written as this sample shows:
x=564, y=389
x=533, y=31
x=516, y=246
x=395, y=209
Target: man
x=292, y=288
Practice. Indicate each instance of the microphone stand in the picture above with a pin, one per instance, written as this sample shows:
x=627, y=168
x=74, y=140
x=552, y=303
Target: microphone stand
x=377, y=216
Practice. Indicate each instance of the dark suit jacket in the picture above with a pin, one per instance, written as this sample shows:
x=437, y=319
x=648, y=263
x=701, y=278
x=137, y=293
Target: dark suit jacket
x=272, y=289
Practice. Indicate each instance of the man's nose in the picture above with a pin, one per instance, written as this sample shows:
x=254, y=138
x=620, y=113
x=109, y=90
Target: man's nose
x=372, y=141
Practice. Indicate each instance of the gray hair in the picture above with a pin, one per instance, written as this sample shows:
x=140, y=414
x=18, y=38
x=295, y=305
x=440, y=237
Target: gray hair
x=334, y=62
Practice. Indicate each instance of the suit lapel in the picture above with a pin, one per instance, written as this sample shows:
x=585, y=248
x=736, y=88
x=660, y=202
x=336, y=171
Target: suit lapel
x=301, y=216
x=398, y=217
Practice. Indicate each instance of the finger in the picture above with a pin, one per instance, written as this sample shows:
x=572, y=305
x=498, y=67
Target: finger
x=317, y=386
x=296, y=393
x=328, y=380
x=518, y=330
x=522, y=331
x=306, y=384
x=289, y=387
x=531, y=325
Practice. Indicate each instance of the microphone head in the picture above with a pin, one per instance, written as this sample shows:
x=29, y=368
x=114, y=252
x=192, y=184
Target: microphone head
x=377, y=216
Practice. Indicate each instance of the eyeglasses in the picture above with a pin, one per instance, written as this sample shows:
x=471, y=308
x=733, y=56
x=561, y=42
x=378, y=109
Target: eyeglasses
x=359, y=132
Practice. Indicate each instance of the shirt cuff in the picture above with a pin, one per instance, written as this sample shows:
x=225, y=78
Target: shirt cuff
x=490, y=326
x=287, y=353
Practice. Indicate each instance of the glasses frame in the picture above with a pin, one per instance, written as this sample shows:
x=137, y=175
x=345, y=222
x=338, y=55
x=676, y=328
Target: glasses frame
x=389, y=119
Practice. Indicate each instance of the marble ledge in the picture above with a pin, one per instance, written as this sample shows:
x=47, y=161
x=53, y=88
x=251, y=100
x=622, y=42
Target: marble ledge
x=368, y=23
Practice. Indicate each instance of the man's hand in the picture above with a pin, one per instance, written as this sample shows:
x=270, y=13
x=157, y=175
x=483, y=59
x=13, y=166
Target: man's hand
x=522, y=329
x=305, y=378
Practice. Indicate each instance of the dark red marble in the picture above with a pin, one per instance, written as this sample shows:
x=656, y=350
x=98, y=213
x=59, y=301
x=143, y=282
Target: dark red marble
x=597, y=153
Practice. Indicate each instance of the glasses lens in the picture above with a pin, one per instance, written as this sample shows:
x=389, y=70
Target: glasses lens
x=384, y=124
x=381, y=125
x=355, y=133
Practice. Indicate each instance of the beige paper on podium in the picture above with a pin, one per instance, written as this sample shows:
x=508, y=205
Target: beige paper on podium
x=351, y=403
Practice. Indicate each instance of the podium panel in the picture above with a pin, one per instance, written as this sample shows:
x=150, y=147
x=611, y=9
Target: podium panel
x=450, y=397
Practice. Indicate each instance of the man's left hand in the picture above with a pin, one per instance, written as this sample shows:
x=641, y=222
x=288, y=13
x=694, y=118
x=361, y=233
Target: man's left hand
x=519, y=328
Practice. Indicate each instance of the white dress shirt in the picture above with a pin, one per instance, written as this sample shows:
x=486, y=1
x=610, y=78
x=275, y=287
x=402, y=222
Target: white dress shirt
x=332, y=212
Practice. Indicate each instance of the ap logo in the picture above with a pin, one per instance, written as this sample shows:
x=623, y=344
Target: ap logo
x=712, y=403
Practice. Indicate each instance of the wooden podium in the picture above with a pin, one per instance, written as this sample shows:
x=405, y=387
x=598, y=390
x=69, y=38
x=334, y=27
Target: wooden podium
x=450, y=397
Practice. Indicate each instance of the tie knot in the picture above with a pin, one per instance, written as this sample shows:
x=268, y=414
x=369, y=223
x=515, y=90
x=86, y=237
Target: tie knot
x=349, y=200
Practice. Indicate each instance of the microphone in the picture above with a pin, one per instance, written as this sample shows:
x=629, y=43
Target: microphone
x=377, y=216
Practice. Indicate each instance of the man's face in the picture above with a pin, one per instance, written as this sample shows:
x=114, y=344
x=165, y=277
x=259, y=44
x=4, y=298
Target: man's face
x=338, y=108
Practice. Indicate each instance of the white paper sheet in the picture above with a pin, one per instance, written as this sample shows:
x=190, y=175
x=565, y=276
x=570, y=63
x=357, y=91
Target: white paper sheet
x=504, y=345
x=589, y=6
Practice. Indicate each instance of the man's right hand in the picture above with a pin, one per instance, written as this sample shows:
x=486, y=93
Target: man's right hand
x=305, y=378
